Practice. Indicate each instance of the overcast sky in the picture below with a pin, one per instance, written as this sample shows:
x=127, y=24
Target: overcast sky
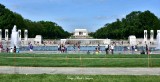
x=71, y=14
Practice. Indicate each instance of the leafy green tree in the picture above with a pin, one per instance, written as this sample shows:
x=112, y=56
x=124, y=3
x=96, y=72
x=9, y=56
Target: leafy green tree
x=48, y=29
x=133, y=24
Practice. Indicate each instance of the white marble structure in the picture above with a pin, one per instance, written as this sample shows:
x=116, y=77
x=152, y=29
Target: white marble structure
x=107, y=41
x=145, y=36
x=0, y=34
x=25, y=35
x=158, y=39
x=86, y=41
x=63, y=41
x=80, y=33
x=132, y=40
x=158, y=31
x=38, y=39
x=19, y=34
x=151, y=35
x=6, y=34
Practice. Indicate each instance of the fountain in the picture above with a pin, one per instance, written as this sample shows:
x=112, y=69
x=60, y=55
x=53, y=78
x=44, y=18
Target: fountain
x=158, y=40
x=14, y=38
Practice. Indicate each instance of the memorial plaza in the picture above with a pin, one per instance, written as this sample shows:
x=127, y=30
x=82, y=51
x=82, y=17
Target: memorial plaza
x=79, y=42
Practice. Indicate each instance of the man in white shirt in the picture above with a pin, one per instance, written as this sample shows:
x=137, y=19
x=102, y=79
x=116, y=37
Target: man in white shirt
x=112, y=48
x=11, y=50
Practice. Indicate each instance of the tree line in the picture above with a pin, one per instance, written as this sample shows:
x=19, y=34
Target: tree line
x=133, y=24
x=48, y=29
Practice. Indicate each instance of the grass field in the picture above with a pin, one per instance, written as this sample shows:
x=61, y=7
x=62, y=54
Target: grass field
x=76, y=78
x=79, y=60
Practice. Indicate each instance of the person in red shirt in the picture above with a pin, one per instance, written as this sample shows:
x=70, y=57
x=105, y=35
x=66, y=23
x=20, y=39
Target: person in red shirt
x=1, y=47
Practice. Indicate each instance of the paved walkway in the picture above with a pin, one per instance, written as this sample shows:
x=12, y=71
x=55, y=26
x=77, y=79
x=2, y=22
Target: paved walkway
x=79, y=70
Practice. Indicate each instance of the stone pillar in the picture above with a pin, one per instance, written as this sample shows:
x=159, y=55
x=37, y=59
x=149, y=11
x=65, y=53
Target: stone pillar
x=158, y=40
x=6, y=34
x=26, y=37
x=158, y=31
x=151, y=35
x=0, y=34
x=145, y=36
x=19, y=34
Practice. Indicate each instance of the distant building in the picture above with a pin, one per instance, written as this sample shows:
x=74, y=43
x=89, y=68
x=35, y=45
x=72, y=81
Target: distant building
x=80, y=33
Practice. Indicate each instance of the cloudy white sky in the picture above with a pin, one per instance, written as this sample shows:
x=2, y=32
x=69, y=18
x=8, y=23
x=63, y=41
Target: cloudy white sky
x=71, y=14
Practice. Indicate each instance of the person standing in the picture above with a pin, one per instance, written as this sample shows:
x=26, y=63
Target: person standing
x=147, y=49
x=78, y=48
x=112, y=48
x=74, y=47
x=65, y=47
x=96, y=51
x=14, y=49
x=106, y=48
x=59, y=47
x=11, y=50
x=62, y=48
x=98, y=47
x=7, y=50
x=31, y=47
x=132, y=49
x=1, y=47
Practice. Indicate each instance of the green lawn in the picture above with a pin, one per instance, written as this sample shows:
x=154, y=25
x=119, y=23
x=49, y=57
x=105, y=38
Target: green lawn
x=78, y=55
x=79, y=60
x=76, y=78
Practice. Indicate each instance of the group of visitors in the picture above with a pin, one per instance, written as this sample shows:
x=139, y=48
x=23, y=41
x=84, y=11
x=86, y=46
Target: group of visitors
x=146, y=49
x=12, y=50
x=134, y=48
x=76, y=45
x=97, y=49
x=109, y=49
x=62, y=48
x=8, y=50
